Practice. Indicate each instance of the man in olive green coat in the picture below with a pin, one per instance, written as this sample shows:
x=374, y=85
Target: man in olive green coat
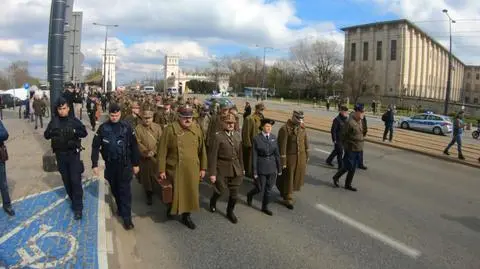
x=293, y=146
x=251, y=128
x=183, y=161
x=215, y=125
x=164, y=116
x=225, y=165
x=133, y=115
x=148, y=137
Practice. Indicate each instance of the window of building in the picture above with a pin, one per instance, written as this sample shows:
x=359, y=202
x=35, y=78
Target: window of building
x=467, y=99
x=365, y=51
x=379, y=50
x=393, y=50
x=478, y=76
x=477, y=87
x=353, y=52
x=475, y=100
x=469, y=75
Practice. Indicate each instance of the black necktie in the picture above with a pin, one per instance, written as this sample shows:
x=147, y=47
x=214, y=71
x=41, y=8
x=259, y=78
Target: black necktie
x=267, y=137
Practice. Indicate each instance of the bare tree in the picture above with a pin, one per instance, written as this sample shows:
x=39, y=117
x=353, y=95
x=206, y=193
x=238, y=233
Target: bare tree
x=358, y=80
x=321, y=61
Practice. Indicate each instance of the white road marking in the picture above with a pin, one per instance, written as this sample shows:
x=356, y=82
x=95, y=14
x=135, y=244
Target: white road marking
x=411, y=252
x=34, y=217
x=102, y=236
x=321, y=150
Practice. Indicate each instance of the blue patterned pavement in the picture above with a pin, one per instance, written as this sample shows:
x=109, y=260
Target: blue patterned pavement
x=44, y=234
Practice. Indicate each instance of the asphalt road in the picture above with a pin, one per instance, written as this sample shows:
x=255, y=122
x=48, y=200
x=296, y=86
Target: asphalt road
x=411, y=211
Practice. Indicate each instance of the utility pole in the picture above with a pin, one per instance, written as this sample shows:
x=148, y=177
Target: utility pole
x=105, y=53
x=450, y=56
x=263, y=71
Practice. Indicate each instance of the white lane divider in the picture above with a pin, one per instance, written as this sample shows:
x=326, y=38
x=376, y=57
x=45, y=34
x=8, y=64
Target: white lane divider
x=322, y=151
x=406, y=250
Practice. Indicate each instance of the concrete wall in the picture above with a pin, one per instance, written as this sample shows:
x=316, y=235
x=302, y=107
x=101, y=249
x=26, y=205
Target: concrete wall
x=419, y=69
x=472, y=84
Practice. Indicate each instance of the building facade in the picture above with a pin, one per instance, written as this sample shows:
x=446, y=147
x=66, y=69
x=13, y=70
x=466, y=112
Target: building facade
x=472, y=84
x=176, y=78
x=72, y=56
x=110, y=69
x=406, y=63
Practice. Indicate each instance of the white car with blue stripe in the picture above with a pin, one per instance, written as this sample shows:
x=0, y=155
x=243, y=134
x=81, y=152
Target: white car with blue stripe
x=428, y=122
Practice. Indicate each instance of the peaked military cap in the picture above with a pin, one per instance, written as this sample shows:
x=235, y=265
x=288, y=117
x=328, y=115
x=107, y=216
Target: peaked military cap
x=185, y=112
x=259, y=106
x=266, y=121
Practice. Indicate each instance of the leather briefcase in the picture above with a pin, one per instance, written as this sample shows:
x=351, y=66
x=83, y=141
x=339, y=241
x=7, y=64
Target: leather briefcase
x=165, y=191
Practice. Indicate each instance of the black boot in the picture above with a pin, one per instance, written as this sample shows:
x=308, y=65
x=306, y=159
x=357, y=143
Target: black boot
x=213, y=202
x=149, y=198
x=188, y=221
x=128, y=224
x=265, y=202
x=169, y=211
x=9, y=210
x=77, y=215
x=231, y=205
x=250, y=195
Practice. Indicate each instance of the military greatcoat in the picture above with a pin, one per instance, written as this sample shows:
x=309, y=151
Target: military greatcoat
x=148, y=139
x=293, y=146
x=182, y=154
x=250, y=129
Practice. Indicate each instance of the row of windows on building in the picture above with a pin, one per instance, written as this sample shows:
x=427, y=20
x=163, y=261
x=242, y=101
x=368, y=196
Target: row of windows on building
x=393, y=51
x=475, y=100
x=477, y=76
x=468, y=87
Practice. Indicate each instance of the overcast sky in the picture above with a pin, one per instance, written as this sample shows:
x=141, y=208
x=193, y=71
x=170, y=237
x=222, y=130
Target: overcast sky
x=200, y=30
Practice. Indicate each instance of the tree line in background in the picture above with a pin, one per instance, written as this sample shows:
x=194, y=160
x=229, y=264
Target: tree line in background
x=312, y=70
x=16, y=75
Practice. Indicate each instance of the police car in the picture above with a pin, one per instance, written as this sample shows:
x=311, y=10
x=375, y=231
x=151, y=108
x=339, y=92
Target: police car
x=428, y=122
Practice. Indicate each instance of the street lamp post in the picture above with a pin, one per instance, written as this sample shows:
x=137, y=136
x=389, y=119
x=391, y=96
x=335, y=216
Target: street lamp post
x=263, y=71
x=450, y=56
x=105, y=53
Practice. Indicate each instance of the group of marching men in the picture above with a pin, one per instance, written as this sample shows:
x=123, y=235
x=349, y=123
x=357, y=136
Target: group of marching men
x=183, y=142
x=178, y=143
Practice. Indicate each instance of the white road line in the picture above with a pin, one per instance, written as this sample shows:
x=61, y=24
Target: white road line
x=411, y=252
x=322, y=151
x=33, y=218
x=102, y=236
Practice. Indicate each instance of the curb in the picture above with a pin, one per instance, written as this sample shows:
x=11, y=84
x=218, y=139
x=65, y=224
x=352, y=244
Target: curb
x=440, y=157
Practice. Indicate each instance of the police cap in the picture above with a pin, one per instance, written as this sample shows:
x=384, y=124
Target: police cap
x=185, y=112
x=114, y=108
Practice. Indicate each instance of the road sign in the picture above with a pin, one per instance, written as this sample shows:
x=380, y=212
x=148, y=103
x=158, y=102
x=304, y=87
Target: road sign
x=44, y=234
x=26, y=86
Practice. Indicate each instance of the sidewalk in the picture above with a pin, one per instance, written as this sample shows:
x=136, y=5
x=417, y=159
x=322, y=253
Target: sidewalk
x=44, y=223
x=422, y=143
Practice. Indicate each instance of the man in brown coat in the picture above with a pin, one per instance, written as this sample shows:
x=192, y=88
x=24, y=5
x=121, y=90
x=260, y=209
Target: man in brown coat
x=183, y=161
x=148, y=138
x=250, y=129
x=293, y=146
x=165, y=116
x=225, y=165
x=216, y=124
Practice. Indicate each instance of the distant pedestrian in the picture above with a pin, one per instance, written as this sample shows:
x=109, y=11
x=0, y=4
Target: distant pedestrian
x=7, y=204
x=389, y=119
x=374, y=107
x=247, y=110
x=39, y=110
x=336, y=132
x=328, y=104
x=353, y=140
x=458, y=126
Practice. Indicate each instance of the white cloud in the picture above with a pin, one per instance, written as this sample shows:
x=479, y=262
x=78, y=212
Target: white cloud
x=428, y=15
x=150, y=28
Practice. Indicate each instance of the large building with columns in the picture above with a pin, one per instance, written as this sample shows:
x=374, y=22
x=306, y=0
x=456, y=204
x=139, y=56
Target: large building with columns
x=406, y=62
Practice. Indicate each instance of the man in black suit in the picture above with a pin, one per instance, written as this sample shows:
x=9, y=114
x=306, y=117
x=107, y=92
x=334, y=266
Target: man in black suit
x=266, y=164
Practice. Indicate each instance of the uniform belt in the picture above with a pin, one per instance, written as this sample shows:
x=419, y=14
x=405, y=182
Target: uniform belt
x=228, y=159
x=265, y=156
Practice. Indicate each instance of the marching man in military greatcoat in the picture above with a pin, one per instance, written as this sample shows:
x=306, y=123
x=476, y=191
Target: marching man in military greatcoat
x=183, y=161
x=148, y=138
x=250, y=129
x=293, y=146
x=225, y=165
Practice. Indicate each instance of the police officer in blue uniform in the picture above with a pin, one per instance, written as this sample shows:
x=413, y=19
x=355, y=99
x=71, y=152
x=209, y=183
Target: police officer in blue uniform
x=115, y=140
x=65, y=132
